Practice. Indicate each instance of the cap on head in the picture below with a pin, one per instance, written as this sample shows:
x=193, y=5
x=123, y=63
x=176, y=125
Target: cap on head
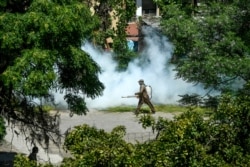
x=141, y=80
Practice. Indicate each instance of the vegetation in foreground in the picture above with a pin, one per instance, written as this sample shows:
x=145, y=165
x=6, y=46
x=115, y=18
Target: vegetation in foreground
x=187, y=140
x=211, y=47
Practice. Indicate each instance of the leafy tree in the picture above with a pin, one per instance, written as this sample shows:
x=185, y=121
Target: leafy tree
x=210, y=48
x=187, y=140
x=40, y=52
x=123, y=55
x=234, y=112
x=92, y=147
x=21, y=161
x=122, y=12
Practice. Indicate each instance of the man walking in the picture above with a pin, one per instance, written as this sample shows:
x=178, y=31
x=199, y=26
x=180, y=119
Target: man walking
x=143, y=98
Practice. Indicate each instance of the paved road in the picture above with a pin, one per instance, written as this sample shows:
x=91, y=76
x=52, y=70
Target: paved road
x=108, y=120
x=99, y=119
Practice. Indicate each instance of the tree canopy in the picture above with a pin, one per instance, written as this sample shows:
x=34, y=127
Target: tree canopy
x=211, y=44
x=41, y=53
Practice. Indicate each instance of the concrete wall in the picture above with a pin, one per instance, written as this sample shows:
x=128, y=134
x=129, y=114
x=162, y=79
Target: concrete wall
x=146, y=7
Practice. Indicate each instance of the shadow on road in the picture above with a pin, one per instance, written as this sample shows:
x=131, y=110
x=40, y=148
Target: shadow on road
x=7, y=158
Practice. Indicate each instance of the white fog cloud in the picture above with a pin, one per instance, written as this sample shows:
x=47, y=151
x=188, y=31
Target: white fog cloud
x=154, y=71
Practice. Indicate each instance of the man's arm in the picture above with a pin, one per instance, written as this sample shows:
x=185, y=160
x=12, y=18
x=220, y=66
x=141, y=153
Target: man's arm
x=142, y=87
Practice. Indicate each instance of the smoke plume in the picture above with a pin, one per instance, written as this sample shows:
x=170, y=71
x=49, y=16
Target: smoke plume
x=155, y=71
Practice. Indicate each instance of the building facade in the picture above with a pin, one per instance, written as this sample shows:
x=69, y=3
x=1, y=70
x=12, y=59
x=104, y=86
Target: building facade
x=147, y=13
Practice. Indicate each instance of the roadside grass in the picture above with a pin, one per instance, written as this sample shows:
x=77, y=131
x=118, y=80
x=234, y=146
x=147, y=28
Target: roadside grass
x=45, y=108
x=167, y=108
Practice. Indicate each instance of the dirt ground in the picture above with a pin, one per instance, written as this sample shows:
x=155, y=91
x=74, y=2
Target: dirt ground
x=99, y=119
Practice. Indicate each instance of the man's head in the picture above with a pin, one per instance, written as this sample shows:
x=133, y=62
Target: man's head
x=141, y=81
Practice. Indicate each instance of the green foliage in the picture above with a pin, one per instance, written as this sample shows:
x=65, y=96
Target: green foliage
x=122, y=12
x=41, y=48
x=209, y=47
x=76, y=103
x=2, y=129
x=187, y=140
x=93, y=147
x=179, y=143
x=122, y=54
x=22, y=160
x=235, y=111
x=193, y=100
x=40, y=52
x=146, y=120
x=168, y=108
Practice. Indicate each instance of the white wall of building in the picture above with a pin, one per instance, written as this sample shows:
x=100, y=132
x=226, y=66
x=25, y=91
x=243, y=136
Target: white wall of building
x=139, y=8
